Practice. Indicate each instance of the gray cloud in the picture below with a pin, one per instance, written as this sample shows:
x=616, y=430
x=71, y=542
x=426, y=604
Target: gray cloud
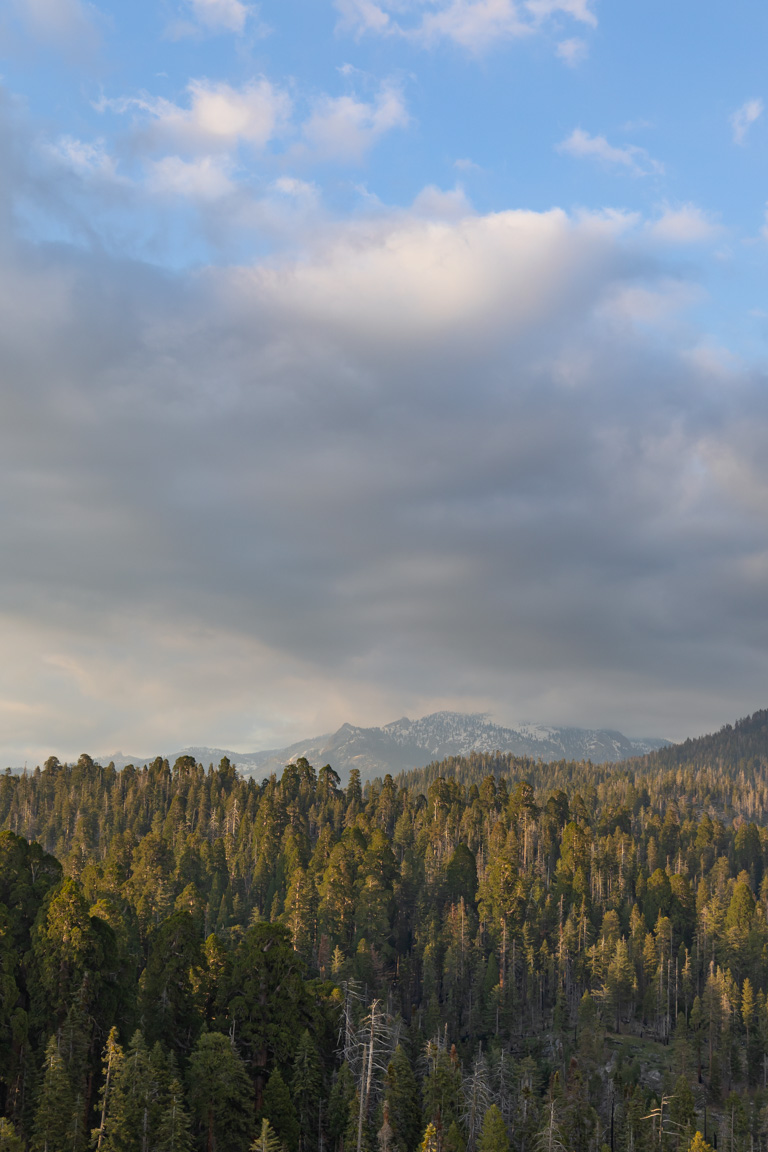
x=481, y=462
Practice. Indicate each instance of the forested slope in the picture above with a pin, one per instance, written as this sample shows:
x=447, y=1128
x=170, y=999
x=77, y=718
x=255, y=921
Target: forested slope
x=491, y=954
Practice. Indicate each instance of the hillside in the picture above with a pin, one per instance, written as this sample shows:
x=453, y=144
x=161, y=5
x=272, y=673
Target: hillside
x=535, y=966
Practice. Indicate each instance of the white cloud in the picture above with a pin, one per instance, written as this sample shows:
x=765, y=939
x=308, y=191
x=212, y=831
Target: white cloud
x=345, y=128
x=632, y=158
x=473, y=24
x=572, y=51
x=687, y=224
x=743, y=118
x=90, y=159
x=205, y=178
x=578, y=9
x=219, y=117
x=362, y=16
x=221, y=15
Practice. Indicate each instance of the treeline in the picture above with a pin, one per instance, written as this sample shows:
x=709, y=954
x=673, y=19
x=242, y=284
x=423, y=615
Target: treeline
x=498, y=956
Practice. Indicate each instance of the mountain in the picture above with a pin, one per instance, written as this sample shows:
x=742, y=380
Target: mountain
x=406, y=744
x=740, y=748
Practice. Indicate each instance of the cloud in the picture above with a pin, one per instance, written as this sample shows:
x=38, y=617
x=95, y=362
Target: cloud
x=362, y=16
x=221, y=15
x=632, y=158
x=578, y=9
x=473, y=24
x=687, y=224
x=440, y=455
x=205, y=178
x=464, y=164
x=87, y=158
x=573, y=51
x=219, y=117
x=345, y=127
x=743, y=118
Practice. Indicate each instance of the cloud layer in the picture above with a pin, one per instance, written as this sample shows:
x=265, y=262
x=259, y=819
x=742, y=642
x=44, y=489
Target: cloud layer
x=440, y=458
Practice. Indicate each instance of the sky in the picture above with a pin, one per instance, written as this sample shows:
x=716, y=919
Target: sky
x=362, y=358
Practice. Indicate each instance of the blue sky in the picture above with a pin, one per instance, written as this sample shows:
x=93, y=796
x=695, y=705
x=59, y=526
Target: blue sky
x=377, y=356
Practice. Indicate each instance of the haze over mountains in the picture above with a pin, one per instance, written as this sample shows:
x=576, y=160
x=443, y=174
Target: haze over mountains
x=406, y=744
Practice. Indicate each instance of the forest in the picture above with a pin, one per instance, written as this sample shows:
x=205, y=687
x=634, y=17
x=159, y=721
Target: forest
x=484, y=955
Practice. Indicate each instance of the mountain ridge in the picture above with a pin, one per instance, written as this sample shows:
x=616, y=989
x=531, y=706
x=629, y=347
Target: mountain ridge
x=405, y=744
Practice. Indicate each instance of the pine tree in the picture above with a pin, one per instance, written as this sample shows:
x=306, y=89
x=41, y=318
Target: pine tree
x=453, y=1139
x=220, y=1095
x=266, y=1139
x=493, y=1133
x=683, y=1109
x=132, y=1110
x=112, y=1062
x=52, y=1130
x=277, y=1106
x=9, y=1141
x=306, y=1081
x=339, y=1104
x=174, y=1128
x=620, y=979
x=442, y=1087
x=402, y=1097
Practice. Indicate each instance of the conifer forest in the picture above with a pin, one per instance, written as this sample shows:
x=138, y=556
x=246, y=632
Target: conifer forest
x=485, y=955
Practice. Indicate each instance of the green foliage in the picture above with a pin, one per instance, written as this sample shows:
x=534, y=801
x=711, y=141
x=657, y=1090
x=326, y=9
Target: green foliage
x=340, y=1105
x=173, y=985
x=278, y=1108
x=55, y=1115
x=9, y=1141
x=262, y=991
x=174, y=1126
x=220, y=1095
x=402, y=1096
x=488, y=906
x=493, y=1134
x=306, y=1084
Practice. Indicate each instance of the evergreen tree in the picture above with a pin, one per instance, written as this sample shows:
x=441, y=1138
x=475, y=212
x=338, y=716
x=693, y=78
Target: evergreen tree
x=55, y=1116
x=306, y=1082
x=266, y=1140
x=402, y=1097
x=112, y=1062
x=278, y=1107
x=442, y=1087
x=340, y=1104
x=173, y=984
x=132, y=1108
x=493, y=1133
x=220, y=1095
x=9, y=1141
x=174, y=1128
